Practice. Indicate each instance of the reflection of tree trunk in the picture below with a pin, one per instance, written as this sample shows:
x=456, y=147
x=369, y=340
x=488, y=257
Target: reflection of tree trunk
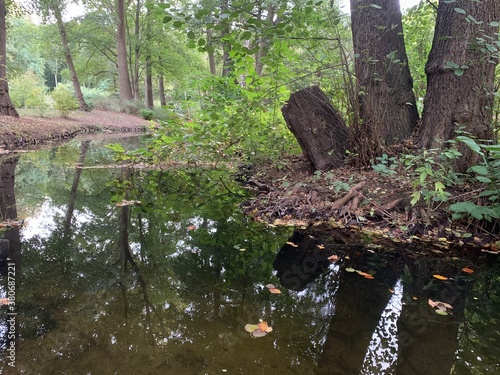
x=359, y=304
x=74, y=188
x=8, y=208
x=124, y=247
x=12, y=241
x=427, y=341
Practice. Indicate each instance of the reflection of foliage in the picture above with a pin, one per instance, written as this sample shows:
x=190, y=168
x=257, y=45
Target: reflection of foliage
x=479, y=334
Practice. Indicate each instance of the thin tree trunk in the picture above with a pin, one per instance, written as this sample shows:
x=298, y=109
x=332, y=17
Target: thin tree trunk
x=161, y=89
x=460, y=75
x=149, y=65
x=226, y=47
x=6, y=106
x=123, y=77
x=211, y=53
x=137, y=50
x=69, y=60
x=388, y=110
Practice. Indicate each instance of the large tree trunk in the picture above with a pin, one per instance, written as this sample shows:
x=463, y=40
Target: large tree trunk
x=226, y=47
x=388, y=109
x=460, y=75
x=69, y=60
x=318, y=127
x=6, y=106
x=137, y=51
x=123, y=77
x=161, y=89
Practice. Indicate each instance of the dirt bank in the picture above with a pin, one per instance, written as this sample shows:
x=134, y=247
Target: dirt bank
x=32, y=131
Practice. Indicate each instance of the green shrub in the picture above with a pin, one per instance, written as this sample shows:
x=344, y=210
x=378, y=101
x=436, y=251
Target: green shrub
x=146, y=114
x=27, y=91
x=64, y=101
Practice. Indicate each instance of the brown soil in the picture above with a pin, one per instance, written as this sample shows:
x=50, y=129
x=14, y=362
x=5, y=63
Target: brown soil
x=359, y=200
x=31, y=131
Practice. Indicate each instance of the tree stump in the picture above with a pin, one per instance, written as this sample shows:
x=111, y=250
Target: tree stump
x=318, y=127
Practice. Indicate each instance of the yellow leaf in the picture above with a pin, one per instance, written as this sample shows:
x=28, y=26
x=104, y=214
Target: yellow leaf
x=4, y=301
x=251, y=327
x=275, y=291
x=439, y=277
x=468, y=270
x=321, y=247
x=292, y=244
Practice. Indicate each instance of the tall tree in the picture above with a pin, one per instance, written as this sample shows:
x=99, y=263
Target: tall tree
x=388, y=111
x=121, y=42
x=55, y=6
x=460, y=74
x=6, y=106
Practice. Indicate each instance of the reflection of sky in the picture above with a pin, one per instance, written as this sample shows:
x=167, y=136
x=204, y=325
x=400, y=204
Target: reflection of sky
x=382, y=351
x=42, y=221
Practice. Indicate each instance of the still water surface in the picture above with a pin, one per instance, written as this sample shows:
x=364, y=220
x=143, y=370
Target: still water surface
x=167, y=285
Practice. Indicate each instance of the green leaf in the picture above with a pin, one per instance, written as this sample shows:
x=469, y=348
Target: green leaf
x=246, y=35
x=459, y=72
x=494, y=23
x=167, y=19
x=471, y=143
x=483, y=179
x=177, y=24
x=441, y=312
x=375, y=6
x=349, y=269
x=479, y=169
x=190, y=34
x=460, y=10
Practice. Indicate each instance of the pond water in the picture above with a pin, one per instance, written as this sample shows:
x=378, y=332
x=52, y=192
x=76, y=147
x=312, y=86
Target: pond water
x=170, y=285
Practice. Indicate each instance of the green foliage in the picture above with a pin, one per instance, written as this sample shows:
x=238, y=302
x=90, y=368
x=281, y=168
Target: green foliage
x=386, y=166
x=27, y=91
x=64, y=100
x=485, y=177
x=146, y=114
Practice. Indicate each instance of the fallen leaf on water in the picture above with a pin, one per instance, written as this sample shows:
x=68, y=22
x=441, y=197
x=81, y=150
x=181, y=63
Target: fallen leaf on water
x=251, y=327
x=439, y=277
x=365, y=275
x=191, y=227
x=259, y=333
x=349, y=269
x=333, y=258
x=468, y=270
x=263, y=326
x=4, y=301
x=258, y=330
x=441, y=307
x=292, y=244
x=321, y=247
x=441, y=312
x=273, y=289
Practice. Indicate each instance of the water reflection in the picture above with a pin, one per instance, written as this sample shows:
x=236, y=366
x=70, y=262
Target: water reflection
x=168, y=285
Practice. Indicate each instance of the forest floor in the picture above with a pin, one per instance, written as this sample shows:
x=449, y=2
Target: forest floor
x=288, y=192
x=33, y=131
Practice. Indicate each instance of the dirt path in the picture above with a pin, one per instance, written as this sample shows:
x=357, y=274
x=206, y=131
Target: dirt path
x=31, y=131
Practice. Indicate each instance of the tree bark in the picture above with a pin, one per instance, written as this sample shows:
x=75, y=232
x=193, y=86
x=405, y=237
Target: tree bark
x=211, y=53
x=69, y=60
x=318, y=127
x=6, y=106
x=123, y=77
x=161, y=89
x=460, y=75
x=388, y=112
